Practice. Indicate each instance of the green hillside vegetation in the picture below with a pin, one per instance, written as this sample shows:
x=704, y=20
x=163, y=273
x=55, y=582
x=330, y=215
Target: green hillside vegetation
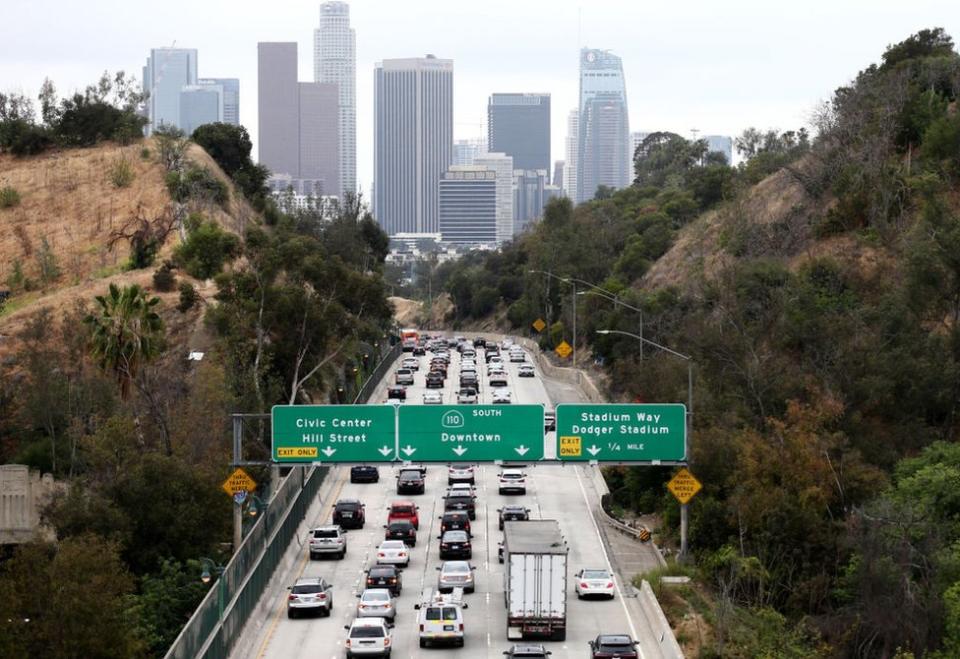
x=98, y=390
x=817, y=287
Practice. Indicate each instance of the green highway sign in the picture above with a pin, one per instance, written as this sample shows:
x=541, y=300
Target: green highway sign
x=334, y=433
x=468, y=433
x=628, y=432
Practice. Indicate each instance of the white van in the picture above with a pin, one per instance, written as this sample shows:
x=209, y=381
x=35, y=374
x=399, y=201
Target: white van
x=441, y=619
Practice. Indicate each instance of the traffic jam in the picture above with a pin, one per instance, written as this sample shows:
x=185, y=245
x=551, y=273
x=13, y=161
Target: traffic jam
x=430, y=541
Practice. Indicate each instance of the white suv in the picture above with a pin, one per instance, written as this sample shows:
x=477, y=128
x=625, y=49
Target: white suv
x=309, y=595
x=369, y=637
x=328, y=540
x=441, y=619
x=512, y=480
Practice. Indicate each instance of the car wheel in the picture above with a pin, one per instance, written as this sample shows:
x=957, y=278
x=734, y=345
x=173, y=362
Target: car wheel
x=459, y=642
x=559, y=635
x=313, y=556
x=499, y=491
x=468, y=590
x=423, y=642
x=579, y=595
x=501, y=526
x=291, y=613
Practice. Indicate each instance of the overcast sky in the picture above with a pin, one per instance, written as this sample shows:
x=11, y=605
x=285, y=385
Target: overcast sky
x=715, y=66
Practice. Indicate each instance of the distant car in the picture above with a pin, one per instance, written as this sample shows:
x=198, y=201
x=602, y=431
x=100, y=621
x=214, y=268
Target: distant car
x=490, y=354
x=368, y=637
x=410, y=481
x=455, y=520
x=527, y=651
x=512, y=480
x=479, y=342
x=461, y=501
x=404, y=376
x=455, y=544
x=349, y=513
x=456, y=574
x=517, y=356
x=513, y=514
x=461, y=489
x=401, y=529
x=385, y=576
x=409, y=345
x=327, y=540
x=435, y=380
x=419, y=350
x=412, y=363
x=620, y=646
x=501, y=397
x=377, y=603
x=397, y=392
x=495, y=359
x=461, y=474
x=549, y=421
x=467, y=395
x=403, y=510
x=393, y=552
x=310, y=595
x=364, y=474
x=594, y=582
x=432, y=398
x=468, y=379
x=526, y=371
x=498, y=379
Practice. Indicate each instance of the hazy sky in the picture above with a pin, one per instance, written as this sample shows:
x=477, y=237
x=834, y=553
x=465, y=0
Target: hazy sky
x=715, y=65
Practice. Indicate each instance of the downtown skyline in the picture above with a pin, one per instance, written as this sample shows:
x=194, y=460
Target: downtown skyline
x=718, y=70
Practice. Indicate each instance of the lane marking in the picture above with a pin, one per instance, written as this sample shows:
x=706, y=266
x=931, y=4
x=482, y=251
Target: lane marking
x=606, y=558
x=324, y=511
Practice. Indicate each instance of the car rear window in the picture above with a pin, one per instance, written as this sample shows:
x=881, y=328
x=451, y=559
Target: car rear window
x=438, y=613
x=455, y=536
x=381, y=572
x=410, y=473
x=403, y=510
x=595, y=574
x=376, y=597
x=320, y=533
x=306, y=588
x=400, y=526
x=348, y=505
x=611, y=647
x=366, y=632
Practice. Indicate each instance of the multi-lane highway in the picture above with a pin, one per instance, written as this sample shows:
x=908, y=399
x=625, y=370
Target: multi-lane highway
x=553, y=492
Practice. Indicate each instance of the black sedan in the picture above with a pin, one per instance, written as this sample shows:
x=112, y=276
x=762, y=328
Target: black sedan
x=364, y=474
x=385, y=576
x=435, y=380
x=527, y=651
x=455, y=544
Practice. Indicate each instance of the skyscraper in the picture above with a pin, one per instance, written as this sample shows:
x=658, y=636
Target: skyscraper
x=529, y=186
x=468, y=205
x=503, y=165
x=335, y=62
x=720, y=144
x=465, y=151
x=231, y=98
x=278, y=104
x=573, y=145
x=167, y=71
x=413, y=141
x=318, y=141
x=519, y=126
x=199, y=104
x=604, y=129
x=558, y=175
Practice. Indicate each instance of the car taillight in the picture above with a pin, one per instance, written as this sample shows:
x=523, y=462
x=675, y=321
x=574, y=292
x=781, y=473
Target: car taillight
x=421, y=627
x=380, y=554
x=402, y=554
x=386, y=642
x=609, y=584
x=363, y=607
x=444, y=545
x=393, y=580
x=292, y=597
x=322, y=596
x=347, y=643
x=461, y=626
x=584, y=585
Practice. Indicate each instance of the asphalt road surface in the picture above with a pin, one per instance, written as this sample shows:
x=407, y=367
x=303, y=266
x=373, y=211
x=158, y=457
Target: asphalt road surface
x=553, y=492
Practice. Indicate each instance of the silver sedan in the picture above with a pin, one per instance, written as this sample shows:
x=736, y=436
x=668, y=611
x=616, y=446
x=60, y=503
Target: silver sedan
x=455, y=574
x=376, y=603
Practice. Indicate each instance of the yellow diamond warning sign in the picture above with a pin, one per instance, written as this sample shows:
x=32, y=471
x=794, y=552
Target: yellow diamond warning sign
x=538, y=324
x=570, y=446
x=239, y=481
x=684, y=485
x=563, y=349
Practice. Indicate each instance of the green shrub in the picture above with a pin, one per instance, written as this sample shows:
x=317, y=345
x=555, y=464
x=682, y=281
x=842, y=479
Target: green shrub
x=145, y=153
x=9, y=197
x=206, y=249
x=47, y=262
x=197, y=183
x=121, y=173
x=188, y=297
x=163, y=278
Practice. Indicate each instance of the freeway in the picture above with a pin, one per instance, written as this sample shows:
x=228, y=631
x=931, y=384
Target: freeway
x=553, y=492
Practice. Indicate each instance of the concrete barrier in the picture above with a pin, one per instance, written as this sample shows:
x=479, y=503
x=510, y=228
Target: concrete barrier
x=669, y=648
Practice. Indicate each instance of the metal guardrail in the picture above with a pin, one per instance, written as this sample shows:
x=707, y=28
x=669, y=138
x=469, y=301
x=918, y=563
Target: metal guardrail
x=637, y=533
x=217, y=623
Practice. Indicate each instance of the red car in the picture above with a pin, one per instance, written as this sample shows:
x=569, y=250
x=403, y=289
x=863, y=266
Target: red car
x=400, y=510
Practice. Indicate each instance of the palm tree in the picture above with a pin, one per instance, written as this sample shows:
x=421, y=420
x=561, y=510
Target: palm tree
x=125, y=333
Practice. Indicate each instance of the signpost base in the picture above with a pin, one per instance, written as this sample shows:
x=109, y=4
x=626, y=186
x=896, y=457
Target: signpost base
x=684, y=518
x=237, y=526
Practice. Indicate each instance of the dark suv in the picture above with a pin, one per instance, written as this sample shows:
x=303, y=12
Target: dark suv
x=349, y=514
x=454, y=520
x=410, y=481
x=463, y=502
x=620, y=646
x=401, y=530
x=364, y=474
x=385, y=576
x=513, y=514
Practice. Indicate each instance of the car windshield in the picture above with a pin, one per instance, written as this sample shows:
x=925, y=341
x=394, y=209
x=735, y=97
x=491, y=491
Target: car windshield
x=366, y=632
x=595, y=574
x=321, y=533
x=306, y=588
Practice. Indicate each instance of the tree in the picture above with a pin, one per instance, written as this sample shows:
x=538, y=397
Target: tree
x=126, y=333
x=925, y=43
x=227, y=144
x=206, y=250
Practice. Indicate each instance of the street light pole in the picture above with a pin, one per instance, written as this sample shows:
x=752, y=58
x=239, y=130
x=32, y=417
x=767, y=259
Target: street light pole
x=684, y=508
x=210, y=567
x=616, y=300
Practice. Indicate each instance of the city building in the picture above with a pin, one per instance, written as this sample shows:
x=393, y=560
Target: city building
x=468, y=205
x=199, y=104
x=558, y=174
x=465, y=151
x=335, y=62
x=720, y=144
x=413, y=141
x=519, y=126
x=167, y=72
x=603, y=129
x=503, y=165
x=572, y=144
x=529, y=186
x=231, y=98
x=298, y=121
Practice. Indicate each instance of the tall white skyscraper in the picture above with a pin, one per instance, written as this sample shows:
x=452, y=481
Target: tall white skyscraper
x=167, y=72
x=573, y=145
x=413, y=141
x=604, y=128
x=502, y=164
x=335, y=61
